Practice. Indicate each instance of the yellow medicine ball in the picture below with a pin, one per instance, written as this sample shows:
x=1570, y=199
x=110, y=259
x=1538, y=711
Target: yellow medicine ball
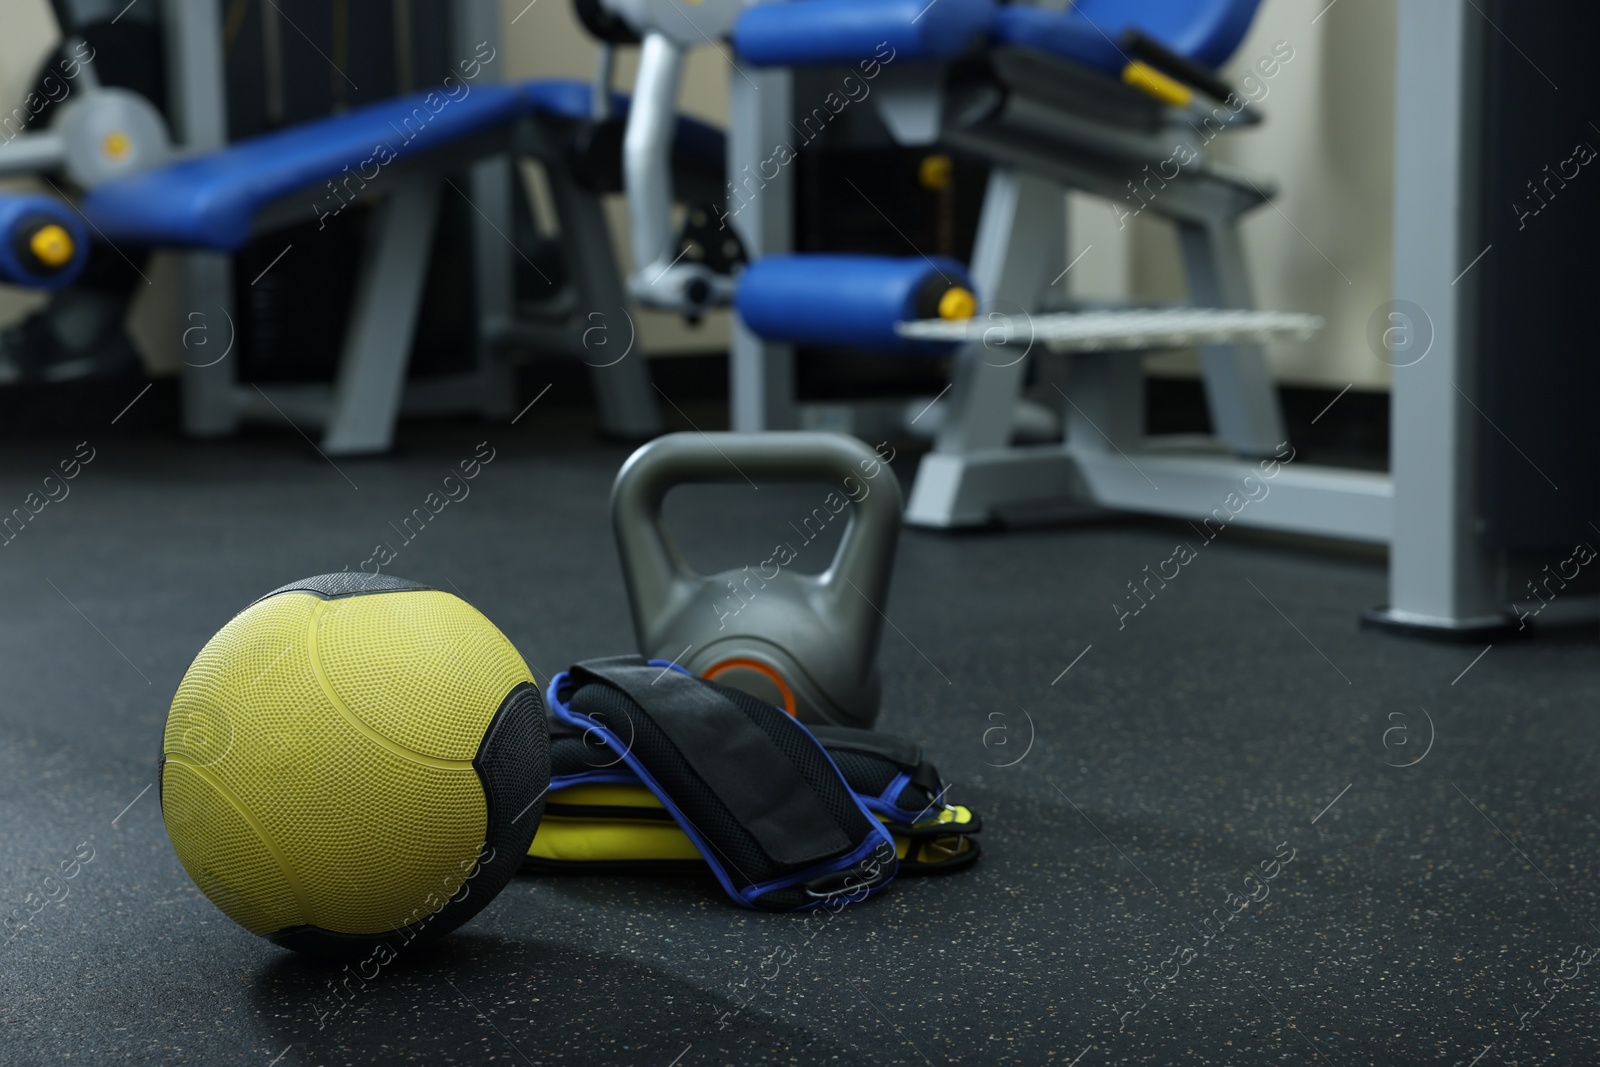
x=354, y=760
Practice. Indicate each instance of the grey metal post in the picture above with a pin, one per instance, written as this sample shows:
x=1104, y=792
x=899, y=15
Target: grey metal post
x=761, y=211
x=1440, y=577
x=646, y=150
x=490, y=187
x=383, y=318
x=608, y=339
x=1239, y=392
x=1020, y=234
x=197, y=95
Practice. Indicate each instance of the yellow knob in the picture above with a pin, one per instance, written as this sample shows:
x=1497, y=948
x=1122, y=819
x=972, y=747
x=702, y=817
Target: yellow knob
x=957, y=303
x=1152, y=82
x=936, y=172
x=51, y=245
x=116, y=144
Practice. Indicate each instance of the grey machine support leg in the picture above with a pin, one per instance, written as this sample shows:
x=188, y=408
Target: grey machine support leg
x=197, y=91
x=383, y=316
x=761, y=374
x=1242, y=400
x=1441, y=579
x=617, y=368
x=489, y=191
x=1021, y=236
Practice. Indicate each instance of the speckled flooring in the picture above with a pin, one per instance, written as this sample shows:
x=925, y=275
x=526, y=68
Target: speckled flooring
x=1240, y=725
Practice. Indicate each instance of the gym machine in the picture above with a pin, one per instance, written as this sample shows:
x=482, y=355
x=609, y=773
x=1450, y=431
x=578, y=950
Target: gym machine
x=1495, y=480
x=208, y=198
x=1095, y=98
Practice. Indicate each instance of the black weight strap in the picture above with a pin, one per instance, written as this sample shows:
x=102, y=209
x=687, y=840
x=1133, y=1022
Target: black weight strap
x=736, y=760
x=907, y=755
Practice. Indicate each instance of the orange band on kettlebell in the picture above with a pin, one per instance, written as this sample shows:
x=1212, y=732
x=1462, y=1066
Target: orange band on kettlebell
x=711, y=672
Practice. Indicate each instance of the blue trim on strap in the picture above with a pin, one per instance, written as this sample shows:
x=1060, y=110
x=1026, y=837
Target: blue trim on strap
x=748, y=896
x=598, y=776
x=884, y=803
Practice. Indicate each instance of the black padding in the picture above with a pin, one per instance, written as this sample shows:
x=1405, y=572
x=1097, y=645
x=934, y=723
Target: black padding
x=513, y=764
x=760, y=788
x=607, y=811
x=869, y=761
x=574, y=750
x=347, y=583
x=906, y=754
x=863, y=749
x=734, y=847
x=868, y=775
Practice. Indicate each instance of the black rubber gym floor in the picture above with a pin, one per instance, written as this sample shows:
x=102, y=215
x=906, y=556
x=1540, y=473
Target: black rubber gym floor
x=1131, y=772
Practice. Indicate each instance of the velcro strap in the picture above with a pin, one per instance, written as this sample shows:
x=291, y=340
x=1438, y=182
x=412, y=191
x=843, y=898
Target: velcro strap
x=737, y=761
x=907, y=755
x=904, y=754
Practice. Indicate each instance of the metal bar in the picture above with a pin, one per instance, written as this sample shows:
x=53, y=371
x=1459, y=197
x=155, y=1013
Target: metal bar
x=197, y=103
x=647, y=154
x=606, y=337
x=490, y=187
x=1129, y=329
x=760, y=374
x=1021, y=231
x=1296, y=498
x=1440, y=577
x=383, y=315
x=1240, y=394
x=1299, y=498
x=1104, y=403
x=1200, y=197
x=30, y=153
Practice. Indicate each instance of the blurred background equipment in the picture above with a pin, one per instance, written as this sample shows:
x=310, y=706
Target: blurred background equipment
x=94, y=112
x=398, y=311
x=1493, y=478
x=1049, y=101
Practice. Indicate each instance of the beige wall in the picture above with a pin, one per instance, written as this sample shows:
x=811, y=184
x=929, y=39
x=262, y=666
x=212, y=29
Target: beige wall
x=27, y=33
x=1327, y=142
x=1324, y=244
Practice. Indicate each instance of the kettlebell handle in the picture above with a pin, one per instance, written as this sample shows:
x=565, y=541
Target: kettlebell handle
x=659, y=579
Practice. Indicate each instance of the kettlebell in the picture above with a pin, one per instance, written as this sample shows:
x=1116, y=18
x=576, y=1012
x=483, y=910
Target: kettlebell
x=807, y=643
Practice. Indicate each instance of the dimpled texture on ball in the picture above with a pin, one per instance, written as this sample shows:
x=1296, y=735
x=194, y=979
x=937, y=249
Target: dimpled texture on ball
x=318, y=758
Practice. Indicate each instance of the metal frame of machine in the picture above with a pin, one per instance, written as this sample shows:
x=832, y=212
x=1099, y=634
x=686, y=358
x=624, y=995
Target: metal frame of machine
x=1042, y=142
x=360, y=411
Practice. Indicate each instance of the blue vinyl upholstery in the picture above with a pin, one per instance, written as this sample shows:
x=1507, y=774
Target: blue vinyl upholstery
x=803, y=32
x=20, y=216
x=849, y=31
x=840, y=299
x=211, y=201
x=1206, y=31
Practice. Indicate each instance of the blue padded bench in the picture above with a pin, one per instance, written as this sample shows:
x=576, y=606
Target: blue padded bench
x=400, y=152
x=808, y=32
x=1099, y=98
x=212, y=201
